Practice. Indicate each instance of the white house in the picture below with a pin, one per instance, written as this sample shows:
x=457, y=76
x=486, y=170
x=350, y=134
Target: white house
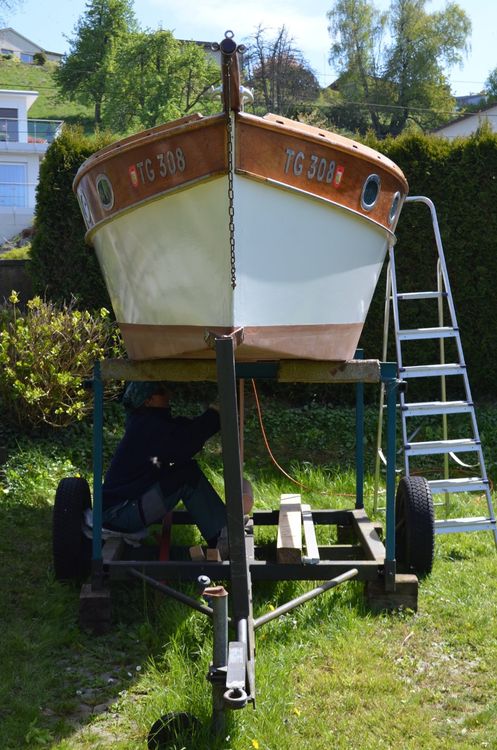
x=17, y=45
x=23, y=143
x=469, y=123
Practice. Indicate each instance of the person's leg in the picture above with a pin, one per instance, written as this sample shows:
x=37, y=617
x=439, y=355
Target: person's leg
x=206, y=508
x=199, y=496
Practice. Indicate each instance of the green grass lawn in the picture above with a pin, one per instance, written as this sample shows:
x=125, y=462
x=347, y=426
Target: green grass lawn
x=49, y=105
x=329, y=675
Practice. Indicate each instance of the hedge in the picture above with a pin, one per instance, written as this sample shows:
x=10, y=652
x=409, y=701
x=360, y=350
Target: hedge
x=62, y=265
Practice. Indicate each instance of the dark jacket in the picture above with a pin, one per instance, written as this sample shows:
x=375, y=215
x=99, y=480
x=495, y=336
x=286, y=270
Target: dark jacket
x=155, y=447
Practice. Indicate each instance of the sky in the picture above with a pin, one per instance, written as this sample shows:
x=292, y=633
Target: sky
x=50, y=23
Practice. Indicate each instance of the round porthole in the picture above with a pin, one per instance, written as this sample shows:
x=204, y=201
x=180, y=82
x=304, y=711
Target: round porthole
x=394, y=208
x=105, y=192
x=85, y=209
x=370, y=192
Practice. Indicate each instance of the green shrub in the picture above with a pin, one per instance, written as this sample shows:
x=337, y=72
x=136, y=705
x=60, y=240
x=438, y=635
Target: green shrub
x=62, y=266
x=46, y=354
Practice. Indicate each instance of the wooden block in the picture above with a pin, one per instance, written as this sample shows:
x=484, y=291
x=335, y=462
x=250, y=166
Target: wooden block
x=94, y=610
x=289, y=543
x=405, y=595
x=213, y=554
x=311, y=545
x=197, y=553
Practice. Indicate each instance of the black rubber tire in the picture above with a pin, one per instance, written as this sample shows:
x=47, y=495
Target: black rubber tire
x=171, y=727
x=414, y=526
x=71, y=548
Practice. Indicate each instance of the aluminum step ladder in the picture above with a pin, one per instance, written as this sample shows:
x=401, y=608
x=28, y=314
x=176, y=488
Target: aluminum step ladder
x=472, y=477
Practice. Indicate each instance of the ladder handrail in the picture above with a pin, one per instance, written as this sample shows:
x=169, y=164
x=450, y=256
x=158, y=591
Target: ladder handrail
x=443, y=292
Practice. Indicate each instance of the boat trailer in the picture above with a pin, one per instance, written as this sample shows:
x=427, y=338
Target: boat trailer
x=360, y=553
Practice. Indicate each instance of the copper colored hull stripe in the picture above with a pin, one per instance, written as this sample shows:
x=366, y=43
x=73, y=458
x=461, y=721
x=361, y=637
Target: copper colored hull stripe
x=331, y=342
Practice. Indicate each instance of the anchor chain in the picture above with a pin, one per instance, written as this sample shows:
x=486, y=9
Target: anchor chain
x=231, y=201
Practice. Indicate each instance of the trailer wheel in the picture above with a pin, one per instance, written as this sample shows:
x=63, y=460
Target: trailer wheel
x=71, y=548
x=171, y=727
x=414, y=526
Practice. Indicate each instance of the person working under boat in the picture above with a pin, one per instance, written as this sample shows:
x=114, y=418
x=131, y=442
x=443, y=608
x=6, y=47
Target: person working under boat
x=153, y=467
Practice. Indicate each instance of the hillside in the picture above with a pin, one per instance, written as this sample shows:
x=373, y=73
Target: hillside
x=48, y=106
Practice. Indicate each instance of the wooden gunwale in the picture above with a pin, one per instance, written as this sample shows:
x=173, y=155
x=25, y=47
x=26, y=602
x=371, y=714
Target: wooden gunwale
x=311, y=134
x=171, y=129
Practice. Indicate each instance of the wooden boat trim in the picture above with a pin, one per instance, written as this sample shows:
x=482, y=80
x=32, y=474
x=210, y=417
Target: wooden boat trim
x=171, y=129
x=317, y=135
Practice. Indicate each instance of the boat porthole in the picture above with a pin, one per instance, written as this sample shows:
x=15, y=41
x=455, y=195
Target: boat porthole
x=85, y=209
x=105, y=192
x=370, y=192
x=394, y=207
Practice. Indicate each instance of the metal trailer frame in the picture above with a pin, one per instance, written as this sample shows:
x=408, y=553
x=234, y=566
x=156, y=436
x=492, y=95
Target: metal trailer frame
x=232, y=672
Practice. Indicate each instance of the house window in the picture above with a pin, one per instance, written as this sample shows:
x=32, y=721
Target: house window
x=13, y=185
x=26, y=58
x=9, y=124
x=6, y=51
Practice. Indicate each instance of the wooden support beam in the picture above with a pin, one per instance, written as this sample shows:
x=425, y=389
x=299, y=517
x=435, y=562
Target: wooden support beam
x=204, y=370
x=289, y=543
x=311, y=545
x=179, y=370
x=308, y=371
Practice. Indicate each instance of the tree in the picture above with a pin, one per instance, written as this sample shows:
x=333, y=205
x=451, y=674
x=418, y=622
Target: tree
x=85, y=72
x=157, y=78
x=392, y=64
x=491, y=86
x=278, y=73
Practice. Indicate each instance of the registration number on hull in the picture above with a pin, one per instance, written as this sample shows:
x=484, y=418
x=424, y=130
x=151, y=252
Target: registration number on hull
x=313, y=167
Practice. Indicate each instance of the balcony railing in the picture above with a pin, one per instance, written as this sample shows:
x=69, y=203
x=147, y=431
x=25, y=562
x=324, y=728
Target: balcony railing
x=13, y=130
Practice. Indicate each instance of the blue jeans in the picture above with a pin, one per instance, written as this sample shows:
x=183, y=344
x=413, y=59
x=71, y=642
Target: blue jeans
x=200, y=499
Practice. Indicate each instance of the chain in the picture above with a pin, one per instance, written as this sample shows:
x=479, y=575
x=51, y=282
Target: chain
x=231, y=207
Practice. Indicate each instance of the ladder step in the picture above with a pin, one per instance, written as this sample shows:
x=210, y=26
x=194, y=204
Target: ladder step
x=442, y=446
x=426, y=408
x=416, y=334
x=454, y=525
x=461, y=484
x=426, y=371
x=404, y=296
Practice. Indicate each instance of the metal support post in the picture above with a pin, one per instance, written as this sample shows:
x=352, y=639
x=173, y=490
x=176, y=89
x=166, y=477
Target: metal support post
x=241, y=588
x=225, y=362
x=98, y=418
x=217, y=596
x=359, y=439
x=390, y=563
